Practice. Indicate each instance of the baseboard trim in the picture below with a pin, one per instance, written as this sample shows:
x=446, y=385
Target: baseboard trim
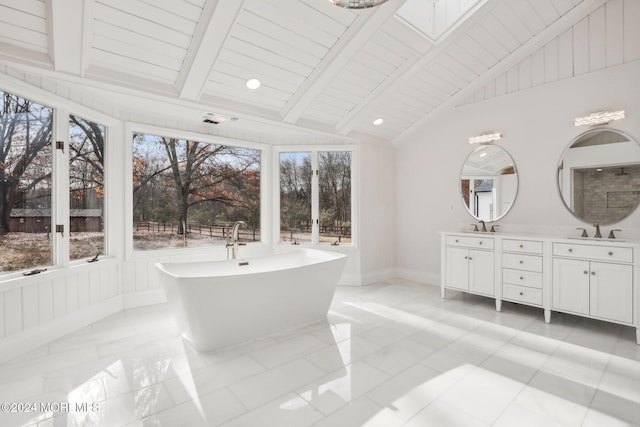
x=350, y=280
x=378, y=276
x=140, y=299
x=25, y=341
x=418, y=276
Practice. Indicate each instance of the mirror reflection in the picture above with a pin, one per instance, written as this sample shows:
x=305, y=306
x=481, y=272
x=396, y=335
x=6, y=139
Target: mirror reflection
x=489, y=183
x=599, y=176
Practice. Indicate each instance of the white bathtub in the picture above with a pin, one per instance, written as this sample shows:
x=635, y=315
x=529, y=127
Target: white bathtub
x=218, y=304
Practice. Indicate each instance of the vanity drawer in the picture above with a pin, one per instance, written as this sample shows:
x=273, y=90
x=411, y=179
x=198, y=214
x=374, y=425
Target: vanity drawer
x=470, y=242
x=524, y=246
x=522, y=262
x=522, y=294
x=524, y=278
x=596, y=252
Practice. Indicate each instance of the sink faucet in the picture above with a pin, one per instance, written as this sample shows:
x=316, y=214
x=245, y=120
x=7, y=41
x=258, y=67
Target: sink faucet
x=597, y=235
x=234, y=243
x=484, y=226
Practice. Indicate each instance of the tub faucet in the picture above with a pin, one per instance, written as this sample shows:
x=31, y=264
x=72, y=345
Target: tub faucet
x=234, y=239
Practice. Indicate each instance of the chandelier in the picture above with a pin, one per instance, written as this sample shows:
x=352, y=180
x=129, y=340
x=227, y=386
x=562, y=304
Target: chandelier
x=357, y=4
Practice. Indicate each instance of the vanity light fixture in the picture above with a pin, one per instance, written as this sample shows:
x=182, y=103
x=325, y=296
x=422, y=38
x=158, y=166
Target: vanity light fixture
x=599, y=118
x=378, y=121
x=253, y=84
x=357, y=4
x=481, y=139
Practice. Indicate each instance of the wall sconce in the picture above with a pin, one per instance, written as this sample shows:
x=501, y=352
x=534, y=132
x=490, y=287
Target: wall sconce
x=481, y=139
x=599, y=118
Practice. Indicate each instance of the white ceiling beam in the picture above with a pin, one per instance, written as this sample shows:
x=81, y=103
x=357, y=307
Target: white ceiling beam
x=218, y=18
x=411, y=67
x=66, y=21
x=368, y=22
x=566, y=21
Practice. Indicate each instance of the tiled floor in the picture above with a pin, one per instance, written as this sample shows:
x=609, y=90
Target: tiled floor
x=392, y=354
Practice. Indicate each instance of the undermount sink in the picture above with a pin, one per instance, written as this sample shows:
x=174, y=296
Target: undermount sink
x=596, y=239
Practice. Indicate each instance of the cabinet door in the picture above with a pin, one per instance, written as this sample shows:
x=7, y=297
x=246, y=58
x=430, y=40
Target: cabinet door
x=611, y=291
x=570, y=285
x=481, y=272
x=458, y=268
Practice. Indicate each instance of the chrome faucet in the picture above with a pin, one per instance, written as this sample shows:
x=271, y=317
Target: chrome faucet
x=234, y=243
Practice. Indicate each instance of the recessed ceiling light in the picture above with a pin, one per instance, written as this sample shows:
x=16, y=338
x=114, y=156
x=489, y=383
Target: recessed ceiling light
x=378, y=121
x=253, y=84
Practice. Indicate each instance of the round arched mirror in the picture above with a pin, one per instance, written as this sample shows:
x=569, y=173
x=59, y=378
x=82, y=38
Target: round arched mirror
x=599, y=176
x=489, y=183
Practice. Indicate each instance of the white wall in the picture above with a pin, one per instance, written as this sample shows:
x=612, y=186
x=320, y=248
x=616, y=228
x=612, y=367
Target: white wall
x=378, y=227
x=537, y=125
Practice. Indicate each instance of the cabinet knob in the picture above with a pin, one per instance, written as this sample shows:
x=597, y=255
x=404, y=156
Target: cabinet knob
x=521, y=262
x=470, y=258
x=521, y=293
x=521, y=278
x=585, y=272
x=570, y=250
x=457, y=240
x=521, y=246
x=480, y=242
x=593, y=273
x=610, y=253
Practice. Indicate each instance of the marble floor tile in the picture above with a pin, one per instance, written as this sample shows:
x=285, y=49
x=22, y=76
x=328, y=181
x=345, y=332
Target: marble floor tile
x=342, y=387
x=390, y=354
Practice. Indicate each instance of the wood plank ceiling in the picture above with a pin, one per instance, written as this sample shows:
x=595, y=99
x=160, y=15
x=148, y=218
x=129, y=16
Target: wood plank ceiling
x=321, y=67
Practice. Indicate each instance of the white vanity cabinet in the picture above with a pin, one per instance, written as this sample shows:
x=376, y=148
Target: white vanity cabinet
x=593, y=281
x=587, y=277
x=522, y=271
x=469, y=264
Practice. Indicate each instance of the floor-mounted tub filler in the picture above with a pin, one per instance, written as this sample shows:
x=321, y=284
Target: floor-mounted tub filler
x=218, y=304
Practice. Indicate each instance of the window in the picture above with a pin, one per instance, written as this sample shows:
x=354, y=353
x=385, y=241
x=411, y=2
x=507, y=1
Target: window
x=86, y=188
x=25, y=183
x=315, y=210
x=189, y=193
x=334, y=185
x=295, y=197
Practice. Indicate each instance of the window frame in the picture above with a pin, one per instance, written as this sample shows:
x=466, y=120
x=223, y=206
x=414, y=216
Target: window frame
x=62, y=108
x=136, y=128
x=105, y=184
x=315, y=150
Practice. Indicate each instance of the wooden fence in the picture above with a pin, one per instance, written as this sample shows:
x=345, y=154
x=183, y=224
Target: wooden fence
x=216, y=231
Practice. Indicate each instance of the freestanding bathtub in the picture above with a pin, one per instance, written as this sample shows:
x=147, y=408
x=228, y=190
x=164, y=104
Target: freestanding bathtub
x=219, y=304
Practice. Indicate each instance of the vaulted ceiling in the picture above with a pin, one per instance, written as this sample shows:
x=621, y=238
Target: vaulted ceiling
x=322, y=67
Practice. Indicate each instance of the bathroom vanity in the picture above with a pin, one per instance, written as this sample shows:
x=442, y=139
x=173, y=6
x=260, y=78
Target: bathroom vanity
x=597, y=278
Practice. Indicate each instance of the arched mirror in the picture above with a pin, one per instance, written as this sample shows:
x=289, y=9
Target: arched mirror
x=489, y=183
x=599, y=176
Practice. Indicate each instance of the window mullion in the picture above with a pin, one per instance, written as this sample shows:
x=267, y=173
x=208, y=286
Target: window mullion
x=315, y=199
x=60, y=180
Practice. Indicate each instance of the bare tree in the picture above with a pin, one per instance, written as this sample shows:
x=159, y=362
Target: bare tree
x=25, y=152
x=191, y=176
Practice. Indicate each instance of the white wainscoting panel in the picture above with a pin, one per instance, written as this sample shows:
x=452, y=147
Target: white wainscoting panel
x=607, y=37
